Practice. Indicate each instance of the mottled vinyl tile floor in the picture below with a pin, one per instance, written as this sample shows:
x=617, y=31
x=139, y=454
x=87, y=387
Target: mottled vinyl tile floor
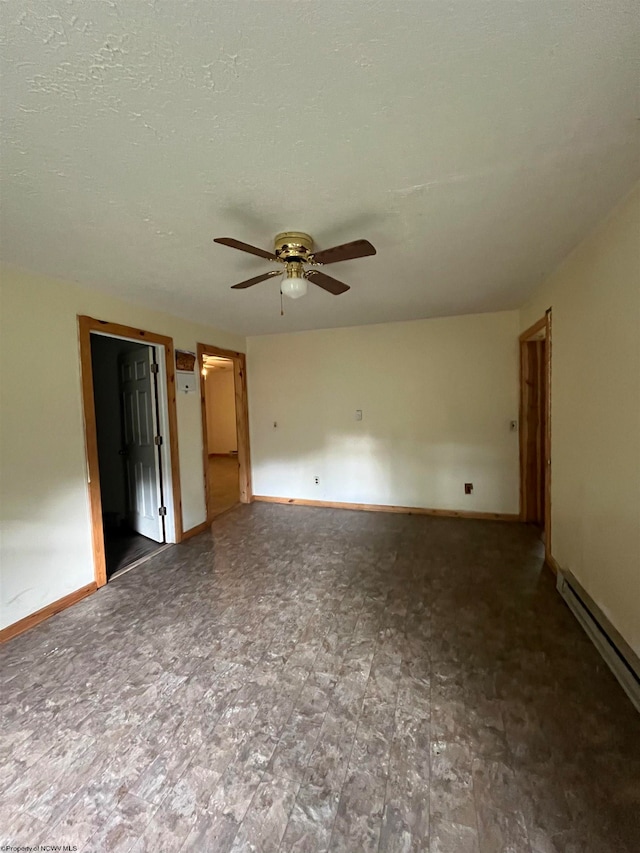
x=304, y=679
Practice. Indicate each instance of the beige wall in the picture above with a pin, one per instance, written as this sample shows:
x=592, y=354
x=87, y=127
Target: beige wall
x=595, y=297
x=46, y=548
x=437, y=397
x=220, y=396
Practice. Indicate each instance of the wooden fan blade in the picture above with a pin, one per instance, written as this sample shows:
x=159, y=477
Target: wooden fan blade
x=251, y=281
x=345, y=252
x=326, y=282
x=245, y=247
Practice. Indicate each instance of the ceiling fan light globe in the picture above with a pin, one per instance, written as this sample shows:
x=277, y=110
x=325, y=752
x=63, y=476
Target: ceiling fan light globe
x=293, y=286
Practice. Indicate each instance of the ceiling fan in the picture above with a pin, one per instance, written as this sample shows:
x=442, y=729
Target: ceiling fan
x=294, y=249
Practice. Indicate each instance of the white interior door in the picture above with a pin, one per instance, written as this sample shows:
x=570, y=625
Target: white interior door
x=138, y=390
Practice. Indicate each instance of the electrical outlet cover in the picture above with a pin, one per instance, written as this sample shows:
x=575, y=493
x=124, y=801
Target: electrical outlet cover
x=186, y=382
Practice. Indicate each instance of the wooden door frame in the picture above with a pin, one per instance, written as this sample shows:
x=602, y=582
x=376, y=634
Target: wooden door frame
x=87, y=325
x=530, y=334
x=239, y=360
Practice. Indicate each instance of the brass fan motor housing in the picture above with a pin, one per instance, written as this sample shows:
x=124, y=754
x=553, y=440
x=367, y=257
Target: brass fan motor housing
x=293, y=246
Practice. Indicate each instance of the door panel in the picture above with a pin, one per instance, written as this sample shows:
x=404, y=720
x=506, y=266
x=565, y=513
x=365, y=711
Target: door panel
x=138, y=390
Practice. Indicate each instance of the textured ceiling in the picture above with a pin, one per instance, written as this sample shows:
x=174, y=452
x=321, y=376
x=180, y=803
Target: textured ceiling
x=474, y=143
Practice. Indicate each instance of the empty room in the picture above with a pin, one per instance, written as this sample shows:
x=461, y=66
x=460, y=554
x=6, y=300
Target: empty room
x=320, y=426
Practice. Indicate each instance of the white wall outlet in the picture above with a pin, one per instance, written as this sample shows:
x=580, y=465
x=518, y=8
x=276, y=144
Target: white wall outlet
x=358, y=414
x=316, y=480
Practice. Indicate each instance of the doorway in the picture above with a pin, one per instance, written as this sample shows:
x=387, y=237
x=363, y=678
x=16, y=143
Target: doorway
x=535, y=427
x=224, y=429
x=129, y=458
x=131, y=438
x=221, y=437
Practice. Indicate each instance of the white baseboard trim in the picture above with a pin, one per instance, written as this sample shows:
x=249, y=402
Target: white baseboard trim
x=615, y=651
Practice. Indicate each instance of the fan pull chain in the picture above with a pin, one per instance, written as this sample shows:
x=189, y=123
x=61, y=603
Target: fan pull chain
x=281, y=305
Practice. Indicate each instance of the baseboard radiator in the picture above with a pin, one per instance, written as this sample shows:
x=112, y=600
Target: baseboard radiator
x=617, y=654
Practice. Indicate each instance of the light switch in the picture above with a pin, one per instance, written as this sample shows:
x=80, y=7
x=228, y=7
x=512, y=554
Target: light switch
x=358, y=414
